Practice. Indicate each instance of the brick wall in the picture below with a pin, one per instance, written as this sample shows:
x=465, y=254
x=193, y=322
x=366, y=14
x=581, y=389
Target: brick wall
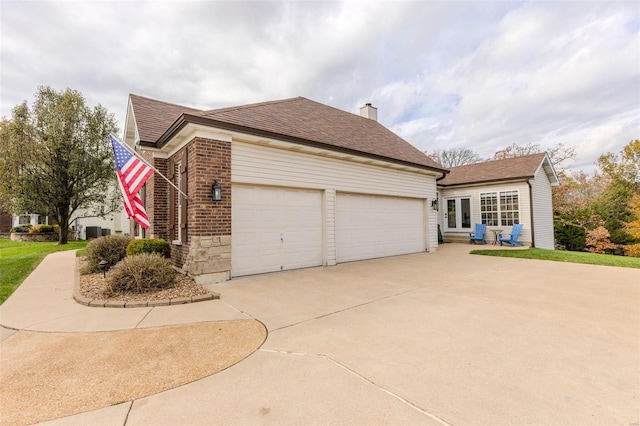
x=208, y=160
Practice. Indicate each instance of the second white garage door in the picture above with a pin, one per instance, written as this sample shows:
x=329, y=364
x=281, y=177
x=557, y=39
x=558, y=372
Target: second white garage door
x=371, y=226
x=275, y=229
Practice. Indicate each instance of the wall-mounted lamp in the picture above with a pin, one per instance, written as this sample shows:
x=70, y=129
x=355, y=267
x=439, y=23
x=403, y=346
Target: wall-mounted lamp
x=435, y=204
x=216, y=191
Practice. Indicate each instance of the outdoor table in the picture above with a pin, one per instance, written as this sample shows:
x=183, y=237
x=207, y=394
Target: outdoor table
x=496, y=233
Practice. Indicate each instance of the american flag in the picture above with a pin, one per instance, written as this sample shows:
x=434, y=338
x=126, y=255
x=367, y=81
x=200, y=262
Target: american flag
x=132, y=174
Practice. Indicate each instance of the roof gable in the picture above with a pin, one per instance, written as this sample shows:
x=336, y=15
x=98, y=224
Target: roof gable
x=298, y=119
x=524, y=167
x=154, y=117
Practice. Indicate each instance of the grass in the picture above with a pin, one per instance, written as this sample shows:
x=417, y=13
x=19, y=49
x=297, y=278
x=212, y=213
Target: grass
x=565, y=256
x=18, y=259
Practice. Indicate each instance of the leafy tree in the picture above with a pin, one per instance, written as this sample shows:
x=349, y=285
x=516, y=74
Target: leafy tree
x=633, y=227
x=55, y=157
x=454, y=157
x=558, y=153
x=622, y=175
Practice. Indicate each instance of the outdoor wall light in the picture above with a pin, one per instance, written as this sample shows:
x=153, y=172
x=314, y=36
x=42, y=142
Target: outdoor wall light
x=435, y=204
x=216, y=191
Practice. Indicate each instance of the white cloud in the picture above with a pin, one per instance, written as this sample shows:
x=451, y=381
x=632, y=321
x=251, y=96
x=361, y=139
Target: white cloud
x=481, y=75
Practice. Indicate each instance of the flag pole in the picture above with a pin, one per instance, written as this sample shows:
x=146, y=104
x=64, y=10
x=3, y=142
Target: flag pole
x=133, y=152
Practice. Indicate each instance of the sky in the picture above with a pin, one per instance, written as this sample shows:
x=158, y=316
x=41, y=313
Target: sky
x=480, y=75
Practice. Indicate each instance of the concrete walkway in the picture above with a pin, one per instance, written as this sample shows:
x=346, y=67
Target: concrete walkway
x=432, y=338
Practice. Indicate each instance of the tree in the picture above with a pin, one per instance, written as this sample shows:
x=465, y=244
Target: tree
x=622, y=174
x=558, y=153
x=55, y=157
x=633, y=227
x=454, y=157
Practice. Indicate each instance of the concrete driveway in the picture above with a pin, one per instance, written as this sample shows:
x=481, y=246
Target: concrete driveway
x=440, y=338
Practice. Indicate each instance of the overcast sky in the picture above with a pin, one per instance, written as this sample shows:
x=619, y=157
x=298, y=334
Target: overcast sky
x=479, y=75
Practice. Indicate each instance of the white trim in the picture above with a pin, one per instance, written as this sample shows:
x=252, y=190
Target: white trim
x=458, y=205
x=499, y=208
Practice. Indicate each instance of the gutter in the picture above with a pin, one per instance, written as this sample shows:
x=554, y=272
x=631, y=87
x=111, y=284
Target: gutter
x=533, y=234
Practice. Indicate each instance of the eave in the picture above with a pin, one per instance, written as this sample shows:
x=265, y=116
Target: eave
x=186, y=119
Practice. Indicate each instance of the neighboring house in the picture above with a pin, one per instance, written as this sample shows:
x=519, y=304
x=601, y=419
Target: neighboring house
x=32, y=219
x=500, y=194
x=303, y=184
x=113, y=223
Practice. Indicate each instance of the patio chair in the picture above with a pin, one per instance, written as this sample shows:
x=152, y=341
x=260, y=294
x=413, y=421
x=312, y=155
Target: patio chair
x=481, y=229
x=513, y=237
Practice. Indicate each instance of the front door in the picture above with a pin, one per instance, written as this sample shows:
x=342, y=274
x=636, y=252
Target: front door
x=457, y=217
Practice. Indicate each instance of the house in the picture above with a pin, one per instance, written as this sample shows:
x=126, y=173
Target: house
x=302, y=184
x=500, y=194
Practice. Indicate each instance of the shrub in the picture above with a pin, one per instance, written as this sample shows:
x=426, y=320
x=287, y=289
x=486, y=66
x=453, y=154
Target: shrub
x=21, y=229
x=149, y=245
x=140, y=273
x=112, y=248
x=633, y=250
x=42, y=229
x=571, y=237
x=598, y=240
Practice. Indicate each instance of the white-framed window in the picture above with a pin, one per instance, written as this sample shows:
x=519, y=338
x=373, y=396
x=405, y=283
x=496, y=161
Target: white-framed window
x=509, y=208
x=500, y=208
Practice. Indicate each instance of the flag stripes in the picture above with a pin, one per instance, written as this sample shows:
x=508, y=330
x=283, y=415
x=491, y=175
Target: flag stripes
x=132, y=174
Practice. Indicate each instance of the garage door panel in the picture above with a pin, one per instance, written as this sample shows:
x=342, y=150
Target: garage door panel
x=275, y=229
x=369, y=226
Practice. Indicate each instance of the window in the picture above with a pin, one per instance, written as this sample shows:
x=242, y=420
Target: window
x=509, y=213
x=489, y=208
x=503, y=213
x=24, y=219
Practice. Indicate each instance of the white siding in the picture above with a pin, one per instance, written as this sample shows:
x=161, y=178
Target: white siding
x=262, y=165
x=542, y=211
x=330, y=228
x=474, y=192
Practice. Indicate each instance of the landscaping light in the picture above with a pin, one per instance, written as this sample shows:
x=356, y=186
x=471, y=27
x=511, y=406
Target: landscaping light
x=103, y=266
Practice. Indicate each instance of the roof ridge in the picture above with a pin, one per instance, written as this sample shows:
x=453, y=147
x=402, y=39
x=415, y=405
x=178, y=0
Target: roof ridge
x=211, y=112
x=163, y=102
x=481, y=163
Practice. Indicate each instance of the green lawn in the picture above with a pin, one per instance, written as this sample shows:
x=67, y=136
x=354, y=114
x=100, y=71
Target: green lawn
x=17, y=260
x=565, y=256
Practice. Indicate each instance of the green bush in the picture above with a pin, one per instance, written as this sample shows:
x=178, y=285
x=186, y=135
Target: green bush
x=112, y=248
x=149, y=245
x=570, y=237
x=21, y=229
x=42, y=229
x=140, y=273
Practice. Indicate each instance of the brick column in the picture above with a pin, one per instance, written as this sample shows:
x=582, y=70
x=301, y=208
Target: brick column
x=207, y=254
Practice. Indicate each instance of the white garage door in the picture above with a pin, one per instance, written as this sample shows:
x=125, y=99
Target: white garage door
x=275, y=229
x=368, y=226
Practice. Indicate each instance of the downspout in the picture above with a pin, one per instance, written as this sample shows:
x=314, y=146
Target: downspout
x=533, y=238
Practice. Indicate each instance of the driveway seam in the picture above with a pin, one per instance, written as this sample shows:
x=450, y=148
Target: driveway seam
x=345, y=309
x=362, y=377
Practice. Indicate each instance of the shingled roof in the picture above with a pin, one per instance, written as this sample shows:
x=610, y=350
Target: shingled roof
x=297, y=120
x=523, y=167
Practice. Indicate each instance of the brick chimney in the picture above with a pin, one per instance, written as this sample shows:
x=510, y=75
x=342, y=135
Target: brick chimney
x=368, y=111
